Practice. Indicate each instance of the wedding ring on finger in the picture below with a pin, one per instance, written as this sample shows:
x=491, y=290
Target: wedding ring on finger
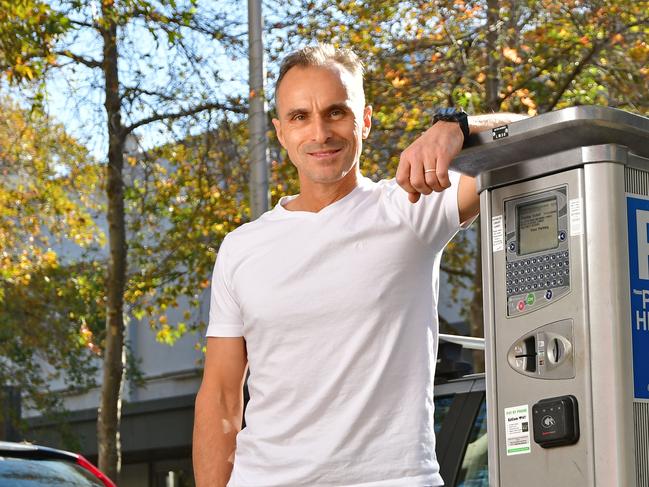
x=426, y=171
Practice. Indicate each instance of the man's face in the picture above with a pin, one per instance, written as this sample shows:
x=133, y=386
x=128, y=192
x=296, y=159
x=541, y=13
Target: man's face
x=322, y=121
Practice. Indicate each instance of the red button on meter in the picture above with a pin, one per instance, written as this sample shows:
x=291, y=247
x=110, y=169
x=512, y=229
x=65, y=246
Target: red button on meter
x=521, y=305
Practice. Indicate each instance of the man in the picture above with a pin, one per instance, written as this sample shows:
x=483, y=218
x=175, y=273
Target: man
x=330, y=300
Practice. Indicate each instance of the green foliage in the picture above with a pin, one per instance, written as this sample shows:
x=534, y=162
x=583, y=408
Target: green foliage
x=48, y=192
x=182, y=198
x=28, y=31
x=169, y=73
x=50, y=308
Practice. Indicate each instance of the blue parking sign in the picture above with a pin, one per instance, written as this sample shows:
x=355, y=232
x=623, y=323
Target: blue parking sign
x=638, y=224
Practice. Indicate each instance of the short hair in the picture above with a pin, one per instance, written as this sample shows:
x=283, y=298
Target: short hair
x=321, y=55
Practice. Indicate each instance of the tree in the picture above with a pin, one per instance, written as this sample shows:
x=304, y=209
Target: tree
x=48, y=195
x=156, y=64
x=182, y=199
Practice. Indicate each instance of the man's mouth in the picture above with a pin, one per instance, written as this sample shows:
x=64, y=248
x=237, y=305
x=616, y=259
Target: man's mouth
x=324, y=154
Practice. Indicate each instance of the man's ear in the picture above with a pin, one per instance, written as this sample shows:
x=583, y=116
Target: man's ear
x=278, y=131
x=367, y=121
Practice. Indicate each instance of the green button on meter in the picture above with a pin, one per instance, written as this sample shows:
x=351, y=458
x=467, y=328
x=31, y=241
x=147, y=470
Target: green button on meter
x=530, y=299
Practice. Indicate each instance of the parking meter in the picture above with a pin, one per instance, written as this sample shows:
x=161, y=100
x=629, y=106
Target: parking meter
x=564, y=201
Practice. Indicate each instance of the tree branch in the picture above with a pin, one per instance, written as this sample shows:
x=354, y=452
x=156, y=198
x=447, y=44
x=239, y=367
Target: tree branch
x=80, y=23
x=457, y=272
x=558, y=94
x=183, y=113
x=91, y=63
x=131, y=92
x=534, y=72
x=597, y=47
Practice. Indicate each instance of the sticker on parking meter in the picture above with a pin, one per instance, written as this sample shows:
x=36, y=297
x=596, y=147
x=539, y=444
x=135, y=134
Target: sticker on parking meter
x=576, y=218
x=497, y=235
x=517, y=430
x=638, y=226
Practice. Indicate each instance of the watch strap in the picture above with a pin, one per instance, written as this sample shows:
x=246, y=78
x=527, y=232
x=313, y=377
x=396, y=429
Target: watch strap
x=453, y=115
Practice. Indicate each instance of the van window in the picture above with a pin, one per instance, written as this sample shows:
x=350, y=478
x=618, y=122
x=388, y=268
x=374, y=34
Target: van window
x=19, y=472
x=442, y=407
x=474, y=471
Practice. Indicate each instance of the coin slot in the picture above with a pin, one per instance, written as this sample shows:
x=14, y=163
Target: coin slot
x=556, y=349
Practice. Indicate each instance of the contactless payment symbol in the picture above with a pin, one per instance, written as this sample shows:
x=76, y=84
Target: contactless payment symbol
x=548, y=421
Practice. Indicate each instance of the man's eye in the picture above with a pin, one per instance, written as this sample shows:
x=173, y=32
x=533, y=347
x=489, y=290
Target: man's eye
x=337, y=113
x=298, y=116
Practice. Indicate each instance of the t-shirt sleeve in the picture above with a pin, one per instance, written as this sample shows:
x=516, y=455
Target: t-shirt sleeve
x=225, y=313
x=435, y=218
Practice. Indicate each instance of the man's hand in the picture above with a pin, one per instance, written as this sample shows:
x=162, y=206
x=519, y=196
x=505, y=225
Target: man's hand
x=423, y=166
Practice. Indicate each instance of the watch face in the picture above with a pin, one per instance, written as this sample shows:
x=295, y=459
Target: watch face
x=449, y=114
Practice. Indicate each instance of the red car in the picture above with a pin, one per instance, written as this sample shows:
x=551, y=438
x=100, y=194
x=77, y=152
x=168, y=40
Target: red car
x=23, y=464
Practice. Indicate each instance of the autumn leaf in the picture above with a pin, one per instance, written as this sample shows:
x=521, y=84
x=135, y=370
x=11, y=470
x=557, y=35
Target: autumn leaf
x=512, y=55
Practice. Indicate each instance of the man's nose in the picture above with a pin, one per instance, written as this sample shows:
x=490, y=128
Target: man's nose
x=321, y=130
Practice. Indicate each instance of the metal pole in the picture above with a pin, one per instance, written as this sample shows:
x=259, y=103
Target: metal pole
x=259, y=197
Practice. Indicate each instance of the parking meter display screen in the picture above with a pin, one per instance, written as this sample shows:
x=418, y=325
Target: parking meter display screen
x=538, y=224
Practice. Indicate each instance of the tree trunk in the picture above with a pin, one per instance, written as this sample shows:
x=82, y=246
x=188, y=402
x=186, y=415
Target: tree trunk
x=113, y=366
x=493, y=56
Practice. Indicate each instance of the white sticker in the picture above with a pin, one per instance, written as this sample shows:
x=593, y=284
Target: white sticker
x=517, y=430
x=576, y=220
x=497, y=235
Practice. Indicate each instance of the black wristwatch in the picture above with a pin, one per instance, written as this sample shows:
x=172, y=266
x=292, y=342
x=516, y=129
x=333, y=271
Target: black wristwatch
x=453, y=115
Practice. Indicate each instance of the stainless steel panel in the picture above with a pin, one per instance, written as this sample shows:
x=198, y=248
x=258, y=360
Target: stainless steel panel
x=641, y=421
x=551, y=133
x=493, y=430
x=551, y=163
x=610, y=334
x=508, y=388
x=636, y=181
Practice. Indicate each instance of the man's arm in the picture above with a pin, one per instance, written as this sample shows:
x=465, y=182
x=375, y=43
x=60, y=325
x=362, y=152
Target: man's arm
x=219, y=411
x=423, y=166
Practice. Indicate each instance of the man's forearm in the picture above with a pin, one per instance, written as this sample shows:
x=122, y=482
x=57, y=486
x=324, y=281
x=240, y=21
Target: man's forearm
x=215, y=430
x=478, y=123
x=423, y=166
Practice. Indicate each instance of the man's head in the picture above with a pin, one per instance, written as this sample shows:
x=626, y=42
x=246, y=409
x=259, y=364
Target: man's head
x=322, y=55
x=321, y=113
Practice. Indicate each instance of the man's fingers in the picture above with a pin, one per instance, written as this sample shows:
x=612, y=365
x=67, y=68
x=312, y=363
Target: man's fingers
x=422, y=172
x=432, y=180
x=413, y=197
x=403, y=177
x=443, y=162
x=433, y=150
x=403, y=174
x=444, y=181
x=418, y=178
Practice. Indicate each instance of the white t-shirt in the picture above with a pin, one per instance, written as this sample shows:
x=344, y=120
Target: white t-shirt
x=339, y=313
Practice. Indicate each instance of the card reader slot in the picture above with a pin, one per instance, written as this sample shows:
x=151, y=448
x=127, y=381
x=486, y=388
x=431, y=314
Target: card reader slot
x=529, y=355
